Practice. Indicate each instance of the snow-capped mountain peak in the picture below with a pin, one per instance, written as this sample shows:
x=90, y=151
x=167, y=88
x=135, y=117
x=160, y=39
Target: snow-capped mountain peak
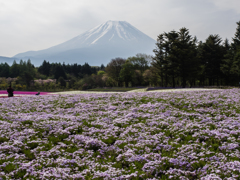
x=110, y=39
x=115, y=28
x=111, y=31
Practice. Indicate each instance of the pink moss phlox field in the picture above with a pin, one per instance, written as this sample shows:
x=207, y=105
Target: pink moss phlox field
x=150, y=135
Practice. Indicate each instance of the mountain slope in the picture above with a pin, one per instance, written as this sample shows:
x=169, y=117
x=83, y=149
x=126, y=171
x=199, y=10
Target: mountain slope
x=8, y=60
x=96, y=46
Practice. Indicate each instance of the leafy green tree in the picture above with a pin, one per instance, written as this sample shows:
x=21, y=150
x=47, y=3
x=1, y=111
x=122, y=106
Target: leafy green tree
x=26, y=78
x=71, y=80
x=126, y=73
x=88, y=82
x=98, y=81
x=137, y=78
x=147, y=57
x=101, y=72
x=148, y=76
x=139, y=63
x=113, y=69
x=61, y=81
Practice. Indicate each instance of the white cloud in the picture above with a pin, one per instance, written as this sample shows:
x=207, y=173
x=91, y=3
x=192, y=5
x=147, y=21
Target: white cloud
x=227, y=5
x=38, y=24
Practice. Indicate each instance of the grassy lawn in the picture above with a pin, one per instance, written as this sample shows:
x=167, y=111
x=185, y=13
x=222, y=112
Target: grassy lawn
x=114, y=89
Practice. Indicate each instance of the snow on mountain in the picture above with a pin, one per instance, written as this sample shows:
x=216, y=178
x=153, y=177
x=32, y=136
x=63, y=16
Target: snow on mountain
x=96, y=46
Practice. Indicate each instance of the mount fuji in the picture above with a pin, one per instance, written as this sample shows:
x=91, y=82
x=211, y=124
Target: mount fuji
x=96, y=46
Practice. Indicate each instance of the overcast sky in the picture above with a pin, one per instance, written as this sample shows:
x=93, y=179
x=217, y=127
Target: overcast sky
x=39, y=24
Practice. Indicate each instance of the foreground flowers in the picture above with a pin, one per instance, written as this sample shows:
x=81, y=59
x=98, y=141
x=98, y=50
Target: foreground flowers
x=149, y=135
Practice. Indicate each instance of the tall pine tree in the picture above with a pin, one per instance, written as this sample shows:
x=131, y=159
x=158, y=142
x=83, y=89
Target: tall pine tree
x=213, y=55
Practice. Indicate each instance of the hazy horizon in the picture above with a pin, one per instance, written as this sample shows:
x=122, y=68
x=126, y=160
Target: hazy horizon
x=40, y=24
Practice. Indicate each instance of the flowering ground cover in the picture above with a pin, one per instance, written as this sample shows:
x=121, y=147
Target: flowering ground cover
x=146, y=135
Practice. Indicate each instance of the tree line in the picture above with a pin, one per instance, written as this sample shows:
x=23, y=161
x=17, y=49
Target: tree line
x=179, y=60
x=25, y=73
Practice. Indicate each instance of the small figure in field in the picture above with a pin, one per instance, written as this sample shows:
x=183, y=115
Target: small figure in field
x=37, y=93
x=10, y=91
